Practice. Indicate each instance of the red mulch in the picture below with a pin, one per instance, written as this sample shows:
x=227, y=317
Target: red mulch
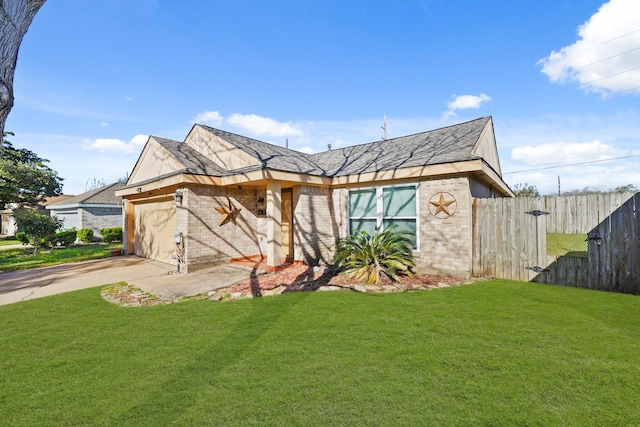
x=304, y=278
x=292, y=279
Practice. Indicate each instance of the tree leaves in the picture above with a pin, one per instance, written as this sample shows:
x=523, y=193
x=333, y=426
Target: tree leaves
x=25, y=179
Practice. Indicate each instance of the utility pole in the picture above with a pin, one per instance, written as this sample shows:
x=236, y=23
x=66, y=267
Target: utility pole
x=558, y=185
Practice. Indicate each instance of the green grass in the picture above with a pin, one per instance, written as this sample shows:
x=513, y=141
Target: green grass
x=496, y=353
x=8, y=241
x=23, y=258
x=567, y=244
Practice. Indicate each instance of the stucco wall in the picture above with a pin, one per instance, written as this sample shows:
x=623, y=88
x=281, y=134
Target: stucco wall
x=318, y=220
x=445, y=243
x=205, y=242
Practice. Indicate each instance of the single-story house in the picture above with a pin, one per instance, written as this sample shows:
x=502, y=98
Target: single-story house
x=95, y=209
x=7, y=222
x=219, y=196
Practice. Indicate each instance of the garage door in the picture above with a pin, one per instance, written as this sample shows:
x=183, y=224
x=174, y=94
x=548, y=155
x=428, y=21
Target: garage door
x=70, y=218
x=154, y=227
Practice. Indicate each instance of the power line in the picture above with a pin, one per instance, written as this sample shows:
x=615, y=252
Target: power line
x=607, y=58
x=559, y=74
x=618, y=37
x=572, y=164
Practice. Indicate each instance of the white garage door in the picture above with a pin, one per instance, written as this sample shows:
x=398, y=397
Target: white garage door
x=154, y=227
x=71, y=218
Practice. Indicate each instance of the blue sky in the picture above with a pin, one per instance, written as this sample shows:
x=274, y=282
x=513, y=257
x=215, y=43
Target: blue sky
x=561, y=79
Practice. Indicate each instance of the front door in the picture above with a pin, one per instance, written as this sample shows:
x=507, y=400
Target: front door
x=287, y=224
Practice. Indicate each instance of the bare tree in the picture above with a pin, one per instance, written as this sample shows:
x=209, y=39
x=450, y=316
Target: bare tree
x=15, y=18
x=525, y=190
x=94, y=184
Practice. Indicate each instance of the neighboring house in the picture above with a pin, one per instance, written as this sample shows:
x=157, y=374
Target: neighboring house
x=7, y=222
x=224, y=196
x=8, y=225
x=96, y=209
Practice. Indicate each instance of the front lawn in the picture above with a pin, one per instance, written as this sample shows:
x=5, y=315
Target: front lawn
x=23, y=258
x=496, y=353
x=5, y=241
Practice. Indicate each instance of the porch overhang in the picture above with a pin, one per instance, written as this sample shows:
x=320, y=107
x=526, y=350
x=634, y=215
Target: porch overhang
x=259, y=178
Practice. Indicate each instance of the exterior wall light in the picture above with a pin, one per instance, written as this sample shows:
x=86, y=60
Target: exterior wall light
x=177, y=197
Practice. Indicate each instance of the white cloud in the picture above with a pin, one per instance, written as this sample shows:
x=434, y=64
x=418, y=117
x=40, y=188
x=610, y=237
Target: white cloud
x=463, y=102
x=116, y=145
x=104, y=124
x=307, y=150
x=128, y=98
x=467, y=101
x=565, y=153
x=209, y=118
x=605, y=58
x=263, y=126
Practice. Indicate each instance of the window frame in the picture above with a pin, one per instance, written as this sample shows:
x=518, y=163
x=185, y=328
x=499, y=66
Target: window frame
x=380, y=217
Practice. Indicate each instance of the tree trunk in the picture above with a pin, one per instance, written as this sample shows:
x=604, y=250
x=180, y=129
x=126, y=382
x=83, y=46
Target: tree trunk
x=15, y=18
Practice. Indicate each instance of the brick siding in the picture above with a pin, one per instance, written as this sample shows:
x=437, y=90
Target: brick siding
x=445, y=244
x=206, y=243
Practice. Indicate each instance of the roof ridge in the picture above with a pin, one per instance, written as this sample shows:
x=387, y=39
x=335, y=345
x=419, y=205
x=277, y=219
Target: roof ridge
x=251, y=139
x=403, y=136
x=88, y=195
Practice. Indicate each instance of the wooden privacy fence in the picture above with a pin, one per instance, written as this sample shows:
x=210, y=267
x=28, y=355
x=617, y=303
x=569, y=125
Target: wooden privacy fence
x=510, y=240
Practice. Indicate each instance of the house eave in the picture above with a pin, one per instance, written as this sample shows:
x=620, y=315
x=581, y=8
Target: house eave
x=82, y=205
x=426, y=171
x=258, y=178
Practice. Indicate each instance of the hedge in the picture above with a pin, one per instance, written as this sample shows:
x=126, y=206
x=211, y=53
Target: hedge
x=110, y=235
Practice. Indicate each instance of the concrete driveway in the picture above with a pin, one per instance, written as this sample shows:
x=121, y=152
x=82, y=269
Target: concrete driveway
x=151, y=276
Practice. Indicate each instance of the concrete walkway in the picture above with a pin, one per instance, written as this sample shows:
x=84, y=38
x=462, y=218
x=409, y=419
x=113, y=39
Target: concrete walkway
x=151, y=276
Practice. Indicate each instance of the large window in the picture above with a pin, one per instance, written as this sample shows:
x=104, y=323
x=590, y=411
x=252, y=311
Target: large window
x=382, y=207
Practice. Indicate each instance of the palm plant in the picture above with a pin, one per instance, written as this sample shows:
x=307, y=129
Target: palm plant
x=367, y=257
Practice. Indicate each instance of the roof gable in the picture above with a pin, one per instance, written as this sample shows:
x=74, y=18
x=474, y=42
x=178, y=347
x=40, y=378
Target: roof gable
x=215, y=146
x=100, y=196
x=264, y=155
x=487, y=148
x=224, y=157
x=155, y=160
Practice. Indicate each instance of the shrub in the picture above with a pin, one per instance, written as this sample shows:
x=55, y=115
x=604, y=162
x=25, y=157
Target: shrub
x=366, y=257
x=37, y=227
x=22, y=237
x=85, y=235
x=113, y=234
x=65, y=238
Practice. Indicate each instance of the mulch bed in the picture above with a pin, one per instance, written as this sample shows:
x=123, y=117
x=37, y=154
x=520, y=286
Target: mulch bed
x=304, y=278
x=292, y=279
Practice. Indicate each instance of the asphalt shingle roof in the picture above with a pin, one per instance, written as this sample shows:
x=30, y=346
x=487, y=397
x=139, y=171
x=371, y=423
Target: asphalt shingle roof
x=271, y=156
x=193, y=161
x=445, y=145
x=102, y=196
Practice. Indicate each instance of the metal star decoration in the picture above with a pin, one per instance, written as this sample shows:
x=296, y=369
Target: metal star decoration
x=442, y=205
x=229, y=213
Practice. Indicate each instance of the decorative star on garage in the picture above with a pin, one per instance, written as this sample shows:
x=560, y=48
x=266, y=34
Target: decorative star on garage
x=442, y=205
x=229, y=213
